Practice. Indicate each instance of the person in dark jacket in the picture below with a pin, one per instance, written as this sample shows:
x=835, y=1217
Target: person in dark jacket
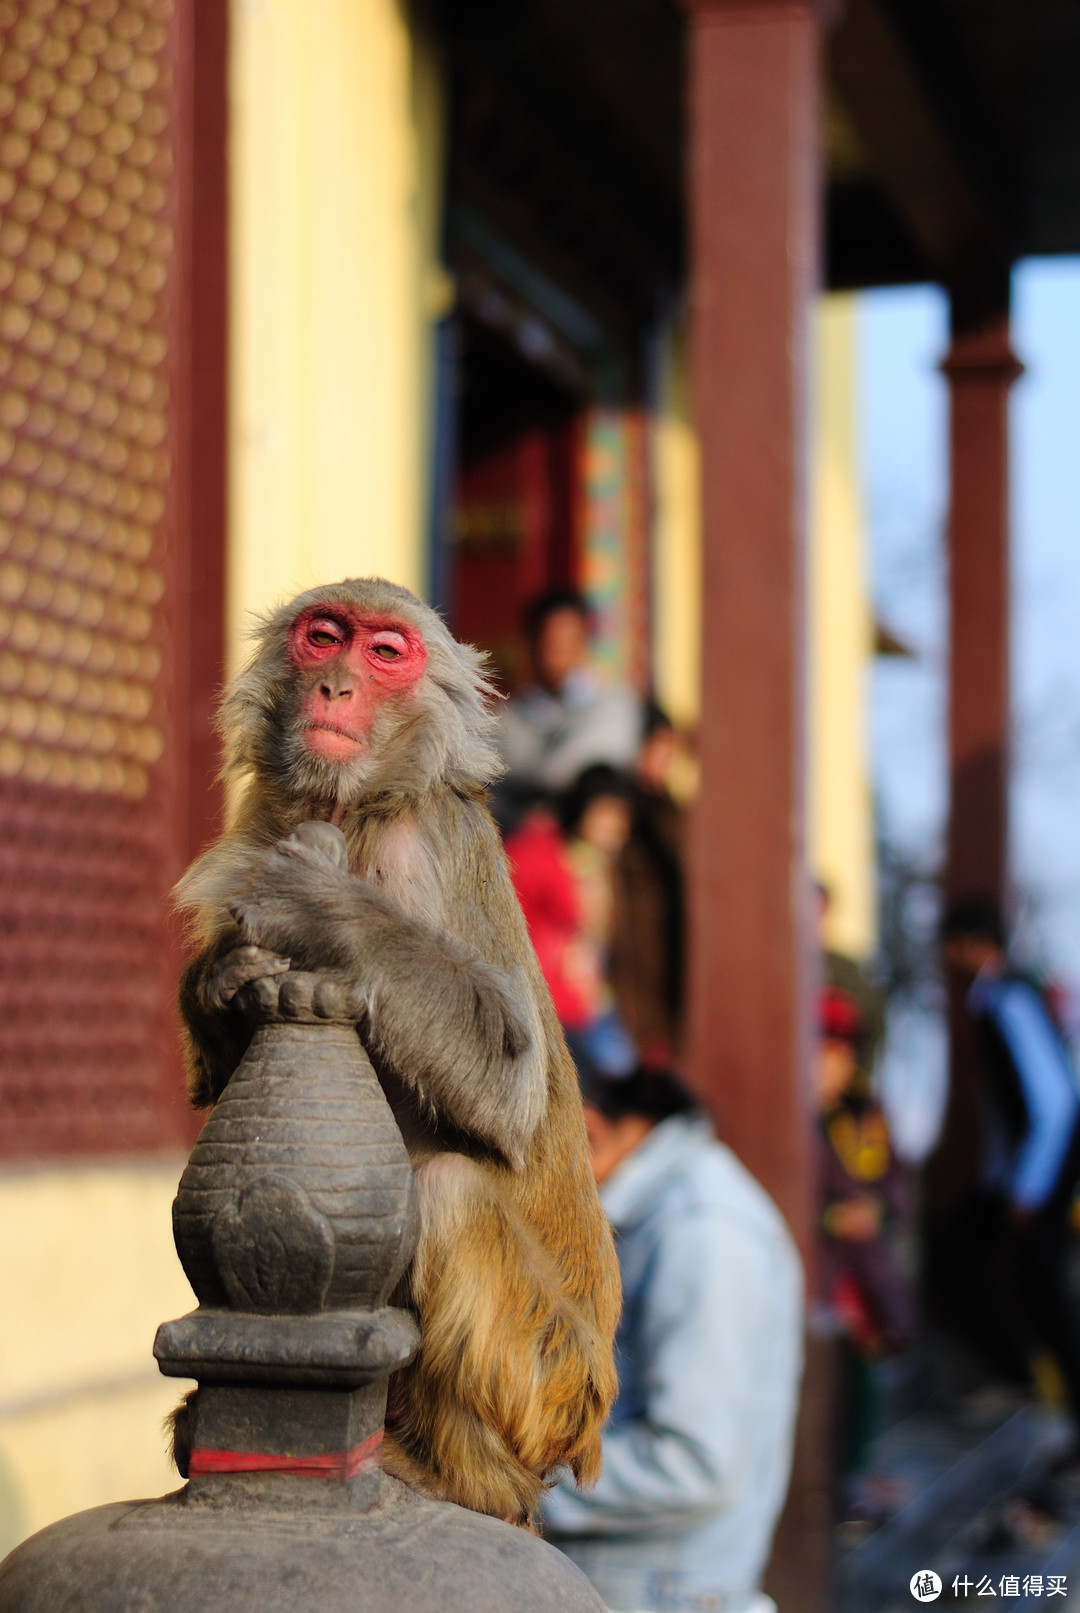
x=862, y=1198
x=862, y=1190
x=647, y=957
x=1029, y=1152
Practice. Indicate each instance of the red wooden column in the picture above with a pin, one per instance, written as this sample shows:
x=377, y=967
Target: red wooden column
x=754, y=218
x=754, y=113
x=980, y=369
x=202, y=315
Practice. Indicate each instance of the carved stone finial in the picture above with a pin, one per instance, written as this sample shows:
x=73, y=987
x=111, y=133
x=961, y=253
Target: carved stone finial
x=294, y=1220
x=298, y=1202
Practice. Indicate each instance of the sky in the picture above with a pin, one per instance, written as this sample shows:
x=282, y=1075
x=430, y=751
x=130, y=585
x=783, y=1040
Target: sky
x=903, y=336
x=904, y=470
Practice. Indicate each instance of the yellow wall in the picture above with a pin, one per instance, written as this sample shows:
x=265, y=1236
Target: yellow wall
x=676, y=602
x=841, y=833
x=87, y=1272
x=332, y=235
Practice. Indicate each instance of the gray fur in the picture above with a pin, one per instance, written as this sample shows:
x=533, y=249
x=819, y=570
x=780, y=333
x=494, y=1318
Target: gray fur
x=457, y=1030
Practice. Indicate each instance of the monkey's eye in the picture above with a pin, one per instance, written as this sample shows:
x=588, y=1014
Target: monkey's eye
x=386, y=652
x=325, y=633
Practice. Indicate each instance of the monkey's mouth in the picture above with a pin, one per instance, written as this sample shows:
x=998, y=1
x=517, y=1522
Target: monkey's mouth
x=331, y=739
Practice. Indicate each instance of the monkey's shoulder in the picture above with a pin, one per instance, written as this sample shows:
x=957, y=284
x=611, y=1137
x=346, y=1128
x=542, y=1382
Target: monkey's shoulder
x=446, y=863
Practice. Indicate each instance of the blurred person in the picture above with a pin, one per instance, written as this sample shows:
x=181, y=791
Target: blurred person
x=647, y=964
x=697, y=1451
x=564, y=720
x=547, y=890
x=847, y=974
x=563, y=870
x=861, y=1183
x=1006, y=1248
x=861, y=1198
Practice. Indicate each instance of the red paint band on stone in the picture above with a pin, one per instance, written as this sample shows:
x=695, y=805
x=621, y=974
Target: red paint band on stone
x=332, y=1465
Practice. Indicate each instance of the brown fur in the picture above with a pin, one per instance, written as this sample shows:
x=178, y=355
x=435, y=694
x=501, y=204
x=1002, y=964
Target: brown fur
x=515, y=1279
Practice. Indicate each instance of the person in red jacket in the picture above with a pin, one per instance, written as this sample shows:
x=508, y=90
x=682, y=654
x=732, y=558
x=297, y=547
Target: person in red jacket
x=564, y=878
x=548, y=893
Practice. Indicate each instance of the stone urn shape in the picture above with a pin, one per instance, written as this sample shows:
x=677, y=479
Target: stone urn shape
x=298, y=1201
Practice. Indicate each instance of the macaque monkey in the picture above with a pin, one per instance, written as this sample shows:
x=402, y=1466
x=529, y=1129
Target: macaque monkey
x=359, y=710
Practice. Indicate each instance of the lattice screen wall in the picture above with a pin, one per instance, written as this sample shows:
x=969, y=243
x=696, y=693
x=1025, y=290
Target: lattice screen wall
x=89, y=145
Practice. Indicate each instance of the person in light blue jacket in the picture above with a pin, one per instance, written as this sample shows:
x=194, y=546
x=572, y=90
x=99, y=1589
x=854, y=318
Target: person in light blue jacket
x=709, y=1352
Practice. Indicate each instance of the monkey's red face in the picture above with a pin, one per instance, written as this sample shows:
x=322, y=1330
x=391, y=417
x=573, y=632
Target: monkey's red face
x=350, y=664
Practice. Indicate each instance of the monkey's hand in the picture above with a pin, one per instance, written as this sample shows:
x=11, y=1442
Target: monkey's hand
x=292, y=895
x=226, y=974
x=458, y=1029
x=218, y=1027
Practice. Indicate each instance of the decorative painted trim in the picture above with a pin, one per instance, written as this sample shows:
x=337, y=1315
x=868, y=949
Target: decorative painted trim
x=330, y=1465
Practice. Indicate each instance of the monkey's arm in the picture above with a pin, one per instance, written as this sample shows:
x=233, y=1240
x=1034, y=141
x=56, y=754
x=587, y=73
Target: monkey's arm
x=218, y=1033
x=462, y=1032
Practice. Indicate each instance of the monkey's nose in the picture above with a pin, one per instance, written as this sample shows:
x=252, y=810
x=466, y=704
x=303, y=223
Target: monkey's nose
x=335, y=691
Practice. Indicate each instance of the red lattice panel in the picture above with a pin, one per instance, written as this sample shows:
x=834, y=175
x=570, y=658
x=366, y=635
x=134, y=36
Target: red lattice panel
x=87, y=291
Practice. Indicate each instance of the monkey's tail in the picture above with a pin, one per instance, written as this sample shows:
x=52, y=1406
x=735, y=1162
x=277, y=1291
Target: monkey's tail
x=179, y=1426
x=512, y=1380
